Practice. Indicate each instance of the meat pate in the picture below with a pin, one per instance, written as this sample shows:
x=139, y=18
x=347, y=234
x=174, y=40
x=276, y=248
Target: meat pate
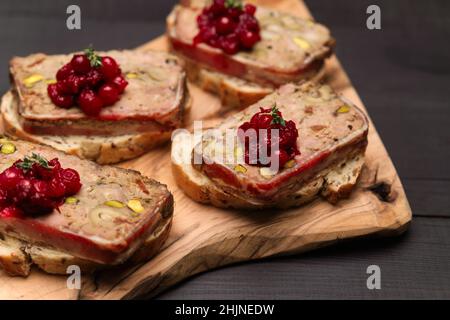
x=330, y=130
x=290, y=47
x=89, y=228
x=153, y=100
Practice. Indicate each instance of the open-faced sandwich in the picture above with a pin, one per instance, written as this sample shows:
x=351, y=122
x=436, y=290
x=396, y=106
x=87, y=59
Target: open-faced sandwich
x=106, y=106
x=243, y=52
x=296, y=143
x=57, y=210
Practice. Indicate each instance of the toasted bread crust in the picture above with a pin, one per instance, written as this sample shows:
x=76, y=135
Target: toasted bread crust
x=17, y=257
x=210, y=194
x=334, y=183
x=233, y=92
x=13, y=260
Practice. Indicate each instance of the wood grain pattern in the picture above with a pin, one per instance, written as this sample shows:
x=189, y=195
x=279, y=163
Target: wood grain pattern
x=205, y=238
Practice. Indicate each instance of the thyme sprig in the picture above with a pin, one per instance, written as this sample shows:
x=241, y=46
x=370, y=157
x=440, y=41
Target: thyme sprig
x=233, y=4
x=276, y=118
x=93, y=57
x=27, y=163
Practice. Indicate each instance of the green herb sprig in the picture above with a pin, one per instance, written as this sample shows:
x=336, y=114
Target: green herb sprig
x=27, y=163
x=234, y=4
x=93, y=57
x=276, y=119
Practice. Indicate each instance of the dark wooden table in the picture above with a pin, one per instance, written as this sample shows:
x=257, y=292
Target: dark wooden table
x=402, y=73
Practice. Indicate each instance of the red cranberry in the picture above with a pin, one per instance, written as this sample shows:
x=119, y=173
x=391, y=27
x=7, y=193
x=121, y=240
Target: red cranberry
x=61, y=100
x=11, y=212
x=230, y=44
x=264, y=121
x=39, y=190
x=40, y=172
x=250, y=9
x=208, y=34
x=71, y=180
x=57, y=188
x=243, y=129
x=3, y=197
x=53, y=91
x=283, y=157
x=218, y=7
x=40, y=186
x=220, y=19
x=260, y=117
x=37, y=203
x=249, y=22
x=249, y=39
x=225, y=25
x=289, y=134
x=94, y=77
x=54, y=163
x=109, y=67
x=109, y=94
x=90, y=103
x=74, y=83
x=23, y=190
x=91, y=88
x=62, y=87
x=11, y=177
x=215, y=42
x=64, y=72
x=234, y=13
x=255, y=118
x=120, y=83
x=80, y=63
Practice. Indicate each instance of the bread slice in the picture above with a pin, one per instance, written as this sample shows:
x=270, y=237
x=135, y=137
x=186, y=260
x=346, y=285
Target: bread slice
x=13, y=258
x=152, y=102
x=334, y=183
x=332, y=138
x=89, y=229
x=17, y=257
x=291, y=50
x=101, y=149
x=234, y=93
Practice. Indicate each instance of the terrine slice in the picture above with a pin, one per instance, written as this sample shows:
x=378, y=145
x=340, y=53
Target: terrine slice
x=153, y=101
x=100, y=224
x=331, y=129
x=291, y=48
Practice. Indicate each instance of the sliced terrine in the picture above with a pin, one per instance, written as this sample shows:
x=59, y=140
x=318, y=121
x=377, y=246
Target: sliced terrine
x=112, y=216
x=326, y=156
x=152, y=102
x=290, y=49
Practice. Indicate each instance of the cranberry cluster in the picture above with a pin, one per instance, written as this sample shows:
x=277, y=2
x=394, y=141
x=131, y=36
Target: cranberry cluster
x=88, y=80
x=228, y=25
x=35, y=186
x=263, y=122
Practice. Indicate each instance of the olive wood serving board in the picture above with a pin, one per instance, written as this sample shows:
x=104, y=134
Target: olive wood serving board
x=204, y=237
